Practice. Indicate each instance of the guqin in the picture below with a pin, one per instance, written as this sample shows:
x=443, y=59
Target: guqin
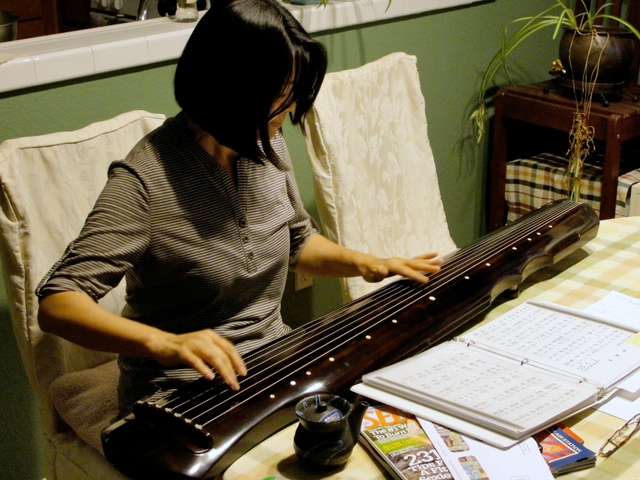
x=197, y=432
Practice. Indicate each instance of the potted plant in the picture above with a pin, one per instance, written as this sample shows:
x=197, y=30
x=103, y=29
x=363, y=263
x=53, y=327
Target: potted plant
x=583, y=67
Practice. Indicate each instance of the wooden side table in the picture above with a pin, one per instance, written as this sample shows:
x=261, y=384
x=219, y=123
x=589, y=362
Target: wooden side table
x=520, y=107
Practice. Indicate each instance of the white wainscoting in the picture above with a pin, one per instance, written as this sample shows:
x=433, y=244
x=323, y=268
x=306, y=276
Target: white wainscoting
x=65, y=56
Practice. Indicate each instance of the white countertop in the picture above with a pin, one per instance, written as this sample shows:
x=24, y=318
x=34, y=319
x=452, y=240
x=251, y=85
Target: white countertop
x=65, y=56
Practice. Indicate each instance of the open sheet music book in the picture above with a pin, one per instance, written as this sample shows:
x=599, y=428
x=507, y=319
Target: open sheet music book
x=524, y=371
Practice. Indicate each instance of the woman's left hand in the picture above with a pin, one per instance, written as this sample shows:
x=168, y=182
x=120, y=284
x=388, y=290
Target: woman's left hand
x=413, y=268
x=321, y=257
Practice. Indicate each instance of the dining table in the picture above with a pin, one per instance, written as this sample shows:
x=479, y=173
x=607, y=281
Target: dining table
x=609, y=262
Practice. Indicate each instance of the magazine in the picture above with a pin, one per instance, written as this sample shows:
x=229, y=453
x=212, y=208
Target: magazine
x=411, y=448
x=397, y=441
x=563, y=450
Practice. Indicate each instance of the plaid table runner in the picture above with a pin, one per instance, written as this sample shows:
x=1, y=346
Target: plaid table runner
x=536, y=181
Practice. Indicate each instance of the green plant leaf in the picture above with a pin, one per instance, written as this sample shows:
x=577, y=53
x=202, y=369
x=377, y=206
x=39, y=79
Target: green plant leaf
x=557, y=17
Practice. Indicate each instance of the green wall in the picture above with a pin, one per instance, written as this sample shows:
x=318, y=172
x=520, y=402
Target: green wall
x=452, y=47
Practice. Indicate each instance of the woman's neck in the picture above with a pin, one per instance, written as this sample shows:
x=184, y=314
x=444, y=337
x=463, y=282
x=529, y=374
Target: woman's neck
x=224, y=156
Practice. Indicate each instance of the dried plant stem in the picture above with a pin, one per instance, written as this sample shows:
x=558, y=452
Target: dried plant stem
x=580, y=146
x=581, y=135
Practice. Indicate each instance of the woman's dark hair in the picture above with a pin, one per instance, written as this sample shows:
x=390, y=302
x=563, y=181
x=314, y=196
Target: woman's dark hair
x=240, y=60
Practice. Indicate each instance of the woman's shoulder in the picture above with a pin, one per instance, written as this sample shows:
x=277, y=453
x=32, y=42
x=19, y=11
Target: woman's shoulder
x=163, y=142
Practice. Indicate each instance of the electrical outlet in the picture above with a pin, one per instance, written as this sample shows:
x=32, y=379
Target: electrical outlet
x=302, y=281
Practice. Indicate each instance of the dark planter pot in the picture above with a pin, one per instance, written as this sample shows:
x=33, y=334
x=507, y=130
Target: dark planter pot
x=598, y=60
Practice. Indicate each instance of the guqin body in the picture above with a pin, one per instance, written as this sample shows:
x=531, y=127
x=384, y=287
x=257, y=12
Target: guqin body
x=199, y=431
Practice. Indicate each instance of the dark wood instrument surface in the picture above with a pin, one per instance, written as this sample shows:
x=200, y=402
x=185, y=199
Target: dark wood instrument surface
x=197, y=432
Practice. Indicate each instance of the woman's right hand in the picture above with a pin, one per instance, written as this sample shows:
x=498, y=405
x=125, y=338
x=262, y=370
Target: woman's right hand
x=202, y=350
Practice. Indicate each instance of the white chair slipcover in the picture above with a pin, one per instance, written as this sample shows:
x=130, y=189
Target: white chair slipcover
x=49, y=184
x=374, y=174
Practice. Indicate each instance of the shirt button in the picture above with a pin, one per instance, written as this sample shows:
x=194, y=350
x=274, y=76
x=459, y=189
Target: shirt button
x=245, y=239
x=242, y=223
x=250, y=255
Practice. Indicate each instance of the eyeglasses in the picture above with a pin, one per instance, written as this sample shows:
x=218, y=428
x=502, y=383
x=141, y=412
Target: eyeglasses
x=620, y=436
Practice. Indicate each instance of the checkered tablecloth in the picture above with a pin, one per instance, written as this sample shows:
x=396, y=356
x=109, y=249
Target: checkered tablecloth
x=536, y=181
x=609, y=262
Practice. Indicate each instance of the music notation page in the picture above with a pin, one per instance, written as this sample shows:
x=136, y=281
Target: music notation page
x=517, y=374
x=619, y=309
x=485, y=389
x=563, y=339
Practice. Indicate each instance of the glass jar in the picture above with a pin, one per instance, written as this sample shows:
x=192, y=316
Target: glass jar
x=186, y=11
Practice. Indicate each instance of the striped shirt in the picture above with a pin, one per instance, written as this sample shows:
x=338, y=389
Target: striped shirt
x=197, y=250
